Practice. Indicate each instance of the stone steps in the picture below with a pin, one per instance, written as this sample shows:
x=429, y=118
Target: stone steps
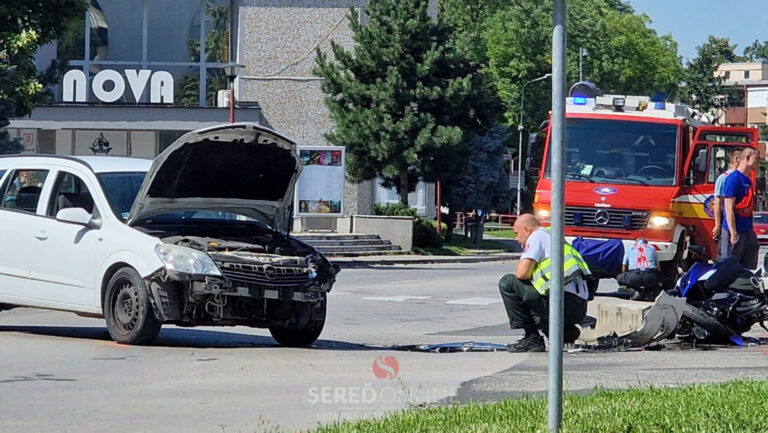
x=341, y=245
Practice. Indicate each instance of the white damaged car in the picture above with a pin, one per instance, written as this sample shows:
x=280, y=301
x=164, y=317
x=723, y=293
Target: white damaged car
x=199, y=236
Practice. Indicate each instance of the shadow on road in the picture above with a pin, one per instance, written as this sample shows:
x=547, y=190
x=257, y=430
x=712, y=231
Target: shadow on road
x=192, y=338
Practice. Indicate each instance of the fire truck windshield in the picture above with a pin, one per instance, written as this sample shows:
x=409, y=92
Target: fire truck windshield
x=622, y=152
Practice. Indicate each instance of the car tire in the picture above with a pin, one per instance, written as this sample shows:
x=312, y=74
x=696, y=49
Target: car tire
x=302, y=337
x=127, y=309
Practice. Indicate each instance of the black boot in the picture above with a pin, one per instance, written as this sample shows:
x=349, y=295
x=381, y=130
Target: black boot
x=533, y=343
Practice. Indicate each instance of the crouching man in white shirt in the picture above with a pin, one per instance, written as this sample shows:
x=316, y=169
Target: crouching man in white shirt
x=526, y=292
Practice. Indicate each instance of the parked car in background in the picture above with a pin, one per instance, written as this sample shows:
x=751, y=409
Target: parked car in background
x=760, y=223
x=199, y=236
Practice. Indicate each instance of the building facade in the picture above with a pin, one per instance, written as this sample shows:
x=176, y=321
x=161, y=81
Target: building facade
x=143, y=72
x=751, y=80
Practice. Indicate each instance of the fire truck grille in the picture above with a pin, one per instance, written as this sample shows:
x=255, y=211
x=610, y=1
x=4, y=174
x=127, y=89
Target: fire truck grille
x=609, y=218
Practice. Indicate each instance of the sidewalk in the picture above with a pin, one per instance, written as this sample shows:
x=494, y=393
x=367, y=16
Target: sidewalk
x=412, y=259
x=417, y=259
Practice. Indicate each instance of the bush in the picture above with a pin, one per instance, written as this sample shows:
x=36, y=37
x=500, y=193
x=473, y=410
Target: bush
x=425, y=233
x=392, y=209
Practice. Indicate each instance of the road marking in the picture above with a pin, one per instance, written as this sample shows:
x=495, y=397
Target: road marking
x=400, y=298
x=474, y=301
x=334, y=292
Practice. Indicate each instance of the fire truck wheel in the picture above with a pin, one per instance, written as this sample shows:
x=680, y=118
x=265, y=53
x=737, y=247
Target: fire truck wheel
x=670, y=270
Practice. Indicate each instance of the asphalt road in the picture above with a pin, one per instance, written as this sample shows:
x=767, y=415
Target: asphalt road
x=61, y=373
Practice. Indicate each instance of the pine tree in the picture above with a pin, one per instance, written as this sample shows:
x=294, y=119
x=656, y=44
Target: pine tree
x=487, y=185
x=407, y=99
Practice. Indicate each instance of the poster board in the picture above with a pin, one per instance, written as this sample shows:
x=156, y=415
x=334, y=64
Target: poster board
x=320, y=189
x=28, y=138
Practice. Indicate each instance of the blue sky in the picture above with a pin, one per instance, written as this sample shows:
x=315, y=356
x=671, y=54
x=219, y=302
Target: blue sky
x=691, y=21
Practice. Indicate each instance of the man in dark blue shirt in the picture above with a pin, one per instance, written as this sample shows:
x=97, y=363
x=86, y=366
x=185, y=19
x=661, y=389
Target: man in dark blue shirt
x=738, y=237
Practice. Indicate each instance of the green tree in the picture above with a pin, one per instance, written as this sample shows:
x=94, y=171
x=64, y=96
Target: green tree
x=757, y=51
x=704, y=89
x=625, y=55
x=486, y=185
x=24, y=26
x=407, y=99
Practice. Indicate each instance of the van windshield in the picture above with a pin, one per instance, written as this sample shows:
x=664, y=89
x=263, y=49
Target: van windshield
x=619, y=152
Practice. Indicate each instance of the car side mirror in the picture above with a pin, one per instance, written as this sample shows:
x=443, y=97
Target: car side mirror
x=701, y=161
x=528, y=163
x=78, y=215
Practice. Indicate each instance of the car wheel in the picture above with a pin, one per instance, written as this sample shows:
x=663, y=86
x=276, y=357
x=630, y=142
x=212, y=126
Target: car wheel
x=127, y=309
x=306, y=335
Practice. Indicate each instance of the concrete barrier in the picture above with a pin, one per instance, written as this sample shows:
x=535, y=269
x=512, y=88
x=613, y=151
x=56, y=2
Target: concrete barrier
x=396, y=229
x=614, y=315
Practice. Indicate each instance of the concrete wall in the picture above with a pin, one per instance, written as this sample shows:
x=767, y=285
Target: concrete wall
x=277, y=46
x=277, y=42
x=398, y=230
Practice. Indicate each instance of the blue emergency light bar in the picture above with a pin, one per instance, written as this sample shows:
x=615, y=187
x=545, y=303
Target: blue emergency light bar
x=579, y=100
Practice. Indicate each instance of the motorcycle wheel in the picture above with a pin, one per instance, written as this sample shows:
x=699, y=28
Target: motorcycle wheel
x=717, y=333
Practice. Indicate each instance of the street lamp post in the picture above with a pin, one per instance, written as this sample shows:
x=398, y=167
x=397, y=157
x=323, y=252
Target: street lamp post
x=520, y=129
x=232, y=69
x=557, y=218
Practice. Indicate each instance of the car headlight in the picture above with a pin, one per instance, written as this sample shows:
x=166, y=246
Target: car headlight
x=186, y=260
x=661, y=221
x=543, y=214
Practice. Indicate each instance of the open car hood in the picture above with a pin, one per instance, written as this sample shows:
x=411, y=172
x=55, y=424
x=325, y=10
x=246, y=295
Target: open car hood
x=243, y=168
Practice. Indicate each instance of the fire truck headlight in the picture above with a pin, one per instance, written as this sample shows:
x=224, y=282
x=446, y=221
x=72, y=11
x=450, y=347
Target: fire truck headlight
x=543, y=214
x=661, y=221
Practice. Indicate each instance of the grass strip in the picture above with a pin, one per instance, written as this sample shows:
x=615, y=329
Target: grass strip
x=733, y=407
x=506, y=234
x=461, y=246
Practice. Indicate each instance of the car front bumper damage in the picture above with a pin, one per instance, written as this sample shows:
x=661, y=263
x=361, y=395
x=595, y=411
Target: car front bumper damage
x=258, y=296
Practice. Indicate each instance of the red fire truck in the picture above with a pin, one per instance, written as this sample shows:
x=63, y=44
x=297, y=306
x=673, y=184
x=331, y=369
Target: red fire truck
x=636, y=167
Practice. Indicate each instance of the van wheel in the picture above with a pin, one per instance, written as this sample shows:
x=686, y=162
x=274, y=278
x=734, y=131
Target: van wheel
x=306, y=335
x=128, y=311
x=669, y=269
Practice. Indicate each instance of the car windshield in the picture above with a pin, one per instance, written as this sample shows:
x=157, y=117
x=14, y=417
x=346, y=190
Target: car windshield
x=761, y=218
x=620, y=152
x=121, y=190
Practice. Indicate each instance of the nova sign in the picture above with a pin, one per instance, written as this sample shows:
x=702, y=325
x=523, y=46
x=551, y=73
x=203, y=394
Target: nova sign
x=160, y=88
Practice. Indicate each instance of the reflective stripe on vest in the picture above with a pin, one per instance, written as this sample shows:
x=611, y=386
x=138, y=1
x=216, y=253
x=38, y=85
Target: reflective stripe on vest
x=573, y=267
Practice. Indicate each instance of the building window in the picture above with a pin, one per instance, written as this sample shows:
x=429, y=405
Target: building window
x=746, y=75
x=727, y=75
x=416, y=199
x=155, y=35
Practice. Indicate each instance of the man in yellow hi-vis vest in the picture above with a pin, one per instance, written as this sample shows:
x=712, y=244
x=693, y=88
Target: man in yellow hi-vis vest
x=525, y=293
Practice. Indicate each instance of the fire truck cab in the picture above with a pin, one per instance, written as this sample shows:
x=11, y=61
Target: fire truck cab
x=637, y=167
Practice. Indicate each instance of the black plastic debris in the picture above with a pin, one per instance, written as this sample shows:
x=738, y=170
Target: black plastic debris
x=466, y=346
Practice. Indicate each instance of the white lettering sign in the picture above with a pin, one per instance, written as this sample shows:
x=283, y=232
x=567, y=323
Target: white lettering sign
x=161, y=85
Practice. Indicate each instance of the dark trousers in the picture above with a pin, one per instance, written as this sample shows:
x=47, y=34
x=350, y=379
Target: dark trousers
x=526, y=308
x=637, y=279
x=745, y=250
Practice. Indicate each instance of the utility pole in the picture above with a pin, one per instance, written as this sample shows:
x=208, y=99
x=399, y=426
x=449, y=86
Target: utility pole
x=582, y=53
x=555, y=394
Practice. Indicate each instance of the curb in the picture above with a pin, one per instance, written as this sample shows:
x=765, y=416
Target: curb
x=427, y=260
